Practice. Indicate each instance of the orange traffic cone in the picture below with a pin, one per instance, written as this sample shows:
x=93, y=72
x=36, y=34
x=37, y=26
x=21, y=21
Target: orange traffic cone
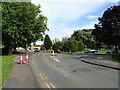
x=21, y=60
x=26, y=58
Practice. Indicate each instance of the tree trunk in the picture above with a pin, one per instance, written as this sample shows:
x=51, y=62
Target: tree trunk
x=116, y=48
x=14, y=48
x=7, y=50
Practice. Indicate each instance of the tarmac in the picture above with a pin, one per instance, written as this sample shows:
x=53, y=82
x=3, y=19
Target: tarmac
x=21, y=76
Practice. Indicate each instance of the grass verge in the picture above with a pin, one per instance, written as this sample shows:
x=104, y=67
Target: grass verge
x=102, y=51
x=83, y=51
x=7, y=64
x=49, y=51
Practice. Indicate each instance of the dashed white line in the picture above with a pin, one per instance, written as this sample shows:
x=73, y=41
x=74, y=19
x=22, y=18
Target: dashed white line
x=55, y=59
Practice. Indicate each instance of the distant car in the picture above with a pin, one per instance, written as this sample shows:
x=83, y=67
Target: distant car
x=36, y=50
x=91, y=51
x=111, y=51
x=56, y=51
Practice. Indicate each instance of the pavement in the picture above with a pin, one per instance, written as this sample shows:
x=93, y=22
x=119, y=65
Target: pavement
x=21, y=76
x=100, y=61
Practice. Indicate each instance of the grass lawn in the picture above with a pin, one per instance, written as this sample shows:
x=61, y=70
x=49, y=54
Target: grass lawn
x=46, y=51
x=83, y=51
x=102, y=51
x=7, y=64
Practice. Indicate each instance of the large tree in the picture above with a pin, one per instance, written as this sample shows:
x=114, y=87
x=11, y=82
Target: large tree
x=22, y=24
x=85, y=37
x=108, y=28
x=72, y=45
x=58, y=45
x=47, y=42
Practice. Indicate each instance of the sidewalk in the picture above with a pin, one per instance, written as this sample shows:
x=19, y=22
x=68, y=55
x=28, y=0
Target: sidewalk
x=102, y=62
x=21, y=76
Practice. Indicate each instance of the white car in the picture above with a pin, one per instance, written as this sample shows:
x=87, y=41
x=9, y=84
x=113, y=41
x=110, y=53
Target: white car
x=91, y=51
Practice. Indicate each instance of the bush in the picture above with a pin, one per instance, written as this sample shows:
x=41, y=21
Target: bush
x=58, y=45
x=116, y=56
x=80, y=46
x=72, y=45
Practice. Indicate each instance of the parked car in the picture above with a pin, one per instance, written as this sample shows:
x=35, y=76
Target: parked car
x=36, y=50
x=57, y=51
x=91, y=51
x=111, y=51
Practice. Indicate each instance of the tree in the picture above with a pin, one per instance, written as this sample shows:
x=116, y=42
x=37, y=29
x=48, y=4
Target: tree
x=80, y=46
x=22, y=24
x=108, y=28
x=85, y=37
x=47, y=42
x=72, y=45
x=58, y=45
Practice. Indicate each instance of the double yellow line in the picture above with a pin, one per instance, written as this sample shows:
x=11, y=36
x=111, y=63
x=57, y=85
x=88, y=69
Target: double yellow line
x=46, y=82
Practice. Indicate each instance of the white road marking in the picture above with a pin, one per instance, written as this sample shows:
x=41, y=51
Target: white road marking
x=55, y=59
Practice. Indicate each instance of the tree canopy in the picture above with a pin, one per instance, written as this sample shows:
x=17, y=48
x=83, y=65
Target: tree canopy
x=73, y=45
x=85, y=37
x=47, y=42
x=108, y=28
x=58, y=45
x=22, y=24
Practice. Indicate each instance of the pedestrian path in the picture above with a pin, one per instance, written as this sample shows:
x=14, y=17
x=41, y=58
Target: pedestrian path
x=21, y=76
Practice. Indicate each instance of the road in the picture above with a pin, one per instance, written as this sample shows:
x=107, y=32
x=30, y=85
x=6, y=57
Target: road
x=68, y=71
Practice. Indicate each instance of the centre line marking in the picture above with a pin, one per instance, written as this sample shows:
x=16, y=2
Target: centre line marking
x=56, y=60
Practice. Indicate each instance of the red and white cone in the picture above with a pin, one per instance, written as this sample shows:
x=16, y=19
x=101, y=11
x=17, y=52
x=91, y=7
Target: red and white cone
x=26, y=58
x=21, y=59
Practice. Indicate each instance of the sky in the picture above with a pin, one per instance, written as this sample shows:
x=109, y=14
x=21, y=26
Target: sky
x=66, y=16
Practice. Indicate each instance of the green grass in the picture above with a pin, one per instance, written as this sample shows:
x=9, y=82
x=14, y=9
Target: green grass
x=102, y=51
x=83, y=51
x=46, y=51
x=7, y=64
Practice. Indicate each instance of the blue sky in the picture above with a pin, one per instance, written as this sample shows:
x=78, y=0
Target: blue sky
x=65, y=16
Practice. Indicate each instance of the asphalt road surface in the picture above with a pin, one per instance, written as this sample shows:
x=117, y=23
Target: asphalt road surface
x=68, y=71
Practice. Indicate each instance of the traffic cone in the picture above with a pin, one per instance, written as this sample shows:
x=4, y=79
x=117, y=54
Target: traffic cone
x=26, y=58
x=21, y=60
x=53, y=53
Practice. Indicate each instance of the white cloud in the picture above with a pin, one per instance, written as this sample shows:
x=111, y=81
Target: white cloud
x=61, y=12
x=91, y=17
x=89, y=25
